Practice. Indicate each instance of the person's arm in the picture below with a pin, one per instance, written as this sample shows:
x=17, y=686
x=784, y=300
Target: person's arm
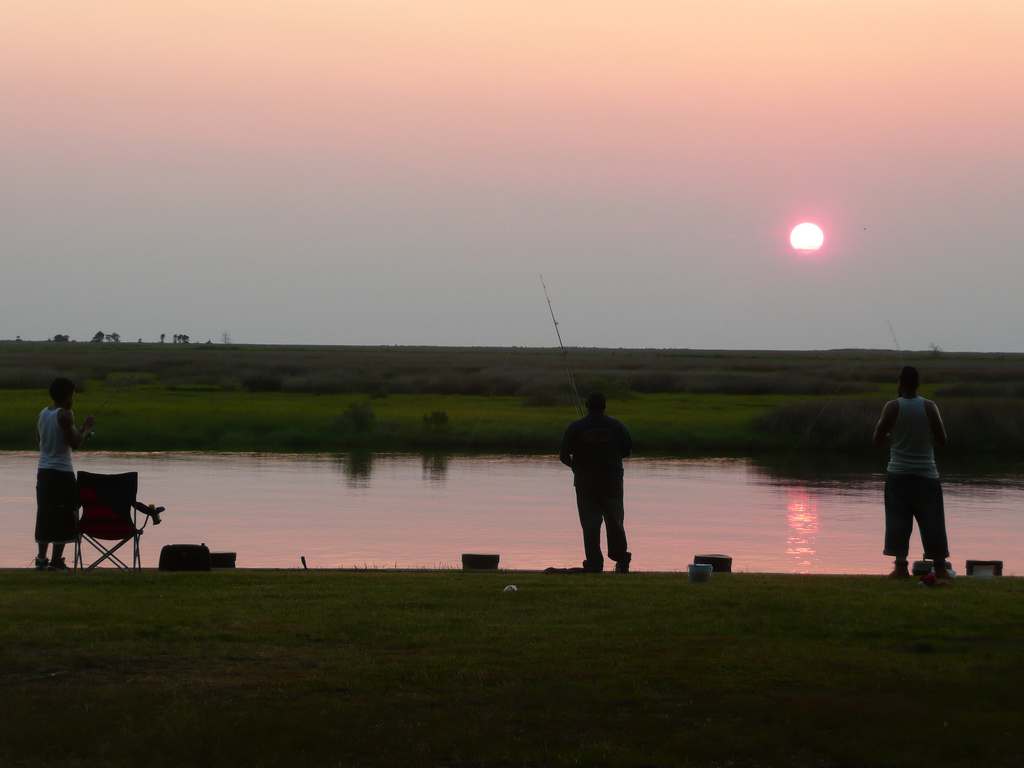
x=565, y=455
x=74, y=436
x=627, y=442
x=935, y=419
x=886, y=422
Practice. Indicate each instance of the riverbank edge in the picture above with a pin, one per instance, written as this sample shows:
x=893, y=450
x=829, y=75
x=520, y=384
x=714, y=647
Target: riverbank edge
x=510, y=572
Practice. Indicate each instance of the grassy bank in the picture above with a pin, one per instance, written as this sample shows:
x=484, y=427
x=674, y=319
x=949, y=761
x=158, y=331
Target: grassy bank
x=221, y=397
x=376, y=668
x=155, y=418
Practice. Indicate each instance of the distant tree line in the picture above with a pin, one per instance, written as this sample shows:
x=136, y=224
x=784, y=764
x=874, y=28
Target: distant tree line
x=101, y=337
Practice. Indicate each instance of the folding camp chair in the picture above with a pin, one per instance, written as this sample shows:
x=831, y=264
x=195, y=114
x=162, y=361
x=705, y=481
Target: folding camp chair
x=111, y=513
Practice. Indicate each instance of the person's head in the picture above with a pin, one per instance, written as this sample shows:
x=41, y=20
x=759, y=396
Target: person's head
x=908, y=381
x=62, y=391
x=596, y=403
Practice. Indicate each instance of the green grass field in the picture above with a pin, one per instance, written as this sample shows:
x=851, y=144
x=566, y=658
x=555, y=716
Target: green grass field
x=155, y=418
x=231, y=398
x=439, y=668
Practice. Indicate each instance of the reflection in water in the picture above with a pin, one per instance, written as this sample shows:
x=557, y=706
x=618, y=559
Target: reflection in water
x=357, y=467
x=803, y=521
x=435, y=468
x=270, y=509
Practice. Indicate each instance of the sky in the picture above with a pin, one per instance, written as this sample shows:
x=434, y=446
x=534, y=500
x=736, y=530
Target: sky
x=385, y=172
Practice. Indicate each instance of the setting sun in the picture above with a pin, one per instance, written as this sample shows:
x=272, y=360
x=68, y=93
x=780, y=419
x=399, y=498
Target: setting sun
x=806, y=237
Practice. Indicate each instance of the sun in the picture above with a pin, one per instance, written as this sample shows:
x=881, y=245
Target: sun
x=806, y=237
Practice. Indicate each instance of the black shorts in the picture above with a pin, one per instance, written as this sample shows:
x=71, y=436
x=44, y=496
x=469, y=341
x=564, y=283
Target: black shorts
x=909, y=498
x=56, y=506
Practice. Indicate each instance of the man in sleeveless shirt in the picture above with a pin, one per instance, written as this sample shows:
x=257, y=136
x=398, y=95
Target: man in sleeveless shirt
x=912, y=426
x=593, y=448
x=56, y=489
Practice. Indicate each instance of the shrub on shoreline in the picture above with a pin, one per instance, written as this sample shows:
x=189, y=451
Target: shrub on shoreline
x=842, y=425
x=358, y=418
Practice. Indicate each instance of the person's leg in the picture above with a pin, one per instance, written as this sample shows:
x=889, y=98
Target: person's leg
x=931, y=523
x=899, y=522
x=614, y=518
x=41, y=562
x=590, y=520
x=64, y=517
x=41, y=539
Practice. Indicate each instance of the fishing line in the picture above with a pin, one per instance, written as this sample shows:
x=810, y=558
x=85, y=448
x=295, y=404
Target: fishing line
x=98, y=411
x=576, y=401
x=892, y=332
x=833, y=396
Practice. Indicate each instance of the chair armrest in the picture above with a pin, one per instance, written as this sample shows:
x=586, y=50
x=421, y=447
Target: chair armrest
x=149, y=510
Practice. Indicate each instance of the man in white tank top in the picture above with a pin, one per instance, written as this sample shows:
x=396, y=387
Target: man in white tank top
x=912, y=426
x=56, y=489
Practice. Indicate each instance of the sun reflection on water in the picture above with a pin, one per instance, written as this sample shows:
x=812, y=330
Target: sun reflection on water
x=803, y=521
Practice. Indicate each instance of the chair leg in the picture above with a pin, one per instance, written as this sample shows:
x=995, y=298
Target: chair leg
x=136, y=562
x=108, y=554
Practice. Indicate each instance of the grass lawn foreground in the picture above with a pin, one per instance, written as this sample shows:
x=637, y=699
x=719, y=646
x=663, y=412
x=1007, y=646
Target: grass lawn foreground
x=444, y=668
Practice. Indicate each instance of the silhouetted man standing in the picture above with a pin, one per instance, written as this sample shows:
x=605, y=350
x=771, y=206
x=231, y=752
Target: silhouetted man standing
x=912, y=426
x=56, y=487
x=594, y=448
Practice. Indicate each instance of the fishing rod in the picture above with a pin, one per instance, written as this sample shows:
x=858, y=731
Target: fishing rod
x=810, y=427
x=92, y=432
x=892, y=332
x=576, y=401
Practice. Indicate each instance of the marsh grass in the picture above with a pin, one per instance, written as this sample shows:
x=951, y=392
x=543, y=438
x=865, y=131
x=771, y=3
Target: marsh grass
x=154, y=418
x=229, y=397
x=444, y=370
x=846, y=425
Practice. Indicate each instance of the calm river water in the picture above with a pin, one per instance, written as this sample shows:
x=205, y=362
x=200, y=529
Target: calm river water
x=407, y=510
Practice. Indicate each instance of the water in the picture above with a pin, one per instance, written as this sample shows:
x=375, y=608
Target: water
x=409, y=510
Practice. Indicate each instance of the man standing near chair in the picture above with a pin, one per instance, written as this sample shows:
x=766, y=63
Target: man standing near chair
x=593, y=448
x=56, y=489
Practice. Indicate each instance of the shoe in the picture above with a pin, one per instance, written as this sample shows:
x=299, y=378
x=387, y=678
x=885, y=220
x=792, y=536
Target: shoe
x=900, y=573
x=622, y=566
x=41, y=563
x=58, y=564
x=588, y=568
x=929, y=580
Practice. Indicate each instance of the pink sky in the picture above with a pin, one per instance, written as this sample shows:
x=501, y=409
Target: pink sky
x=655, y=145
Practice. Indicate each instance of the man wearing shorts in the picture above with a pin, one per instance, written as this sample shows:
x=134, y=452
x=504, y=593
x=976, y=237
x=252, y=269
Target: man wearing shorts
x=913, y=426
x=56, y=489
